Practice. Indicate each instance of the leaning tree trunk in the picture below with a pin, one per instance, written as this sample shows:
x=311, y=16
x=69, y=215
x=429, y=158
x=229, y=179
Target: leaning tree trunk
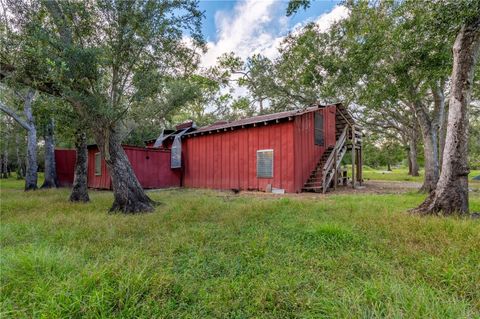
x=80, y=190
x=451, y=194
x=129, y=196
x=50, y=168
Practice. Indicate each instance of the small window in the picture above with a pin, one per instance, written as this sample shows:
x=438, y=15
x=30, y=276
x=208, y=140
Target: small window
x=265, y=163
x=98, y=164
x=319, y=136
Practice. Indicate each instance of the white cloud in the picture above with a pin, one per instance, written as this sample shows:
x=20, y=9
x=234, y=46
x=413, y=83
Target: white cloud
x=246, y=30
x=258, y=27
x=327, y=19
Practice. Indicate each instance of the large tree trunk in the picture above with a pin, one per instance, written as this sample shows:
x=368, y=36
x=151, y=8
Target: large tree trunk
x=439, y=117
x=413, y=156
x=129, y=196
x=32, y=165
x=20, y=168
x=442, y=131
x=409, y=161
x=431, y=158
x=50, y=168
x=451, y=194
x=80, y=187
x=29, y=125
x=429, y=123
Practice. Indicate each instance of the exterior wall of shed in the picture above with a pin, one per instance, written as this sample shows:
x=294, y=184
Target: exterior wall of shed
x=152, y=168
x=306, y=153
x=65, y=165
x=227, y=160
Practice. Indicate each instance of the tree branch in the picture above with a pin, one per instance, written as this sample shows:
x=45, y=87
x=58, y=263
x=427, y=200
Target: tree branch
x=14, y=116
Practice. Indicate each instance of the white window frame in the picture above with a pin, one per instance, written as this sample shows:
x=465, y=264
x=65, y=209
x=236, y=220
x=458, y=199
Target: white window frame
x=98, y=170
x=264, y=151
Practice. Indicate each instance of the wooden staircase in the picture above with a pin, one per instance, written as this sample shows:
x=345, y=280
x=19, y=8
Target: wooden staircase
x=315, y=180
x=328, y=169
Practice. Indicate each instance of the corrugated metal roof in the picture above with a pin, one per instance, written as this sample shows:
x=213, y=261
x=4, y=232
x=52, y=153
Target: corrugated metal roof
x=269, y=118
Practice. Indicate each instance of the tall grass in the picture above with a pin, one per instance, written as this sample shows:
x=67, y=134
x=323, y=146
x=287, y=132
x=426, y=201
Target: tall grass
x=205, y=254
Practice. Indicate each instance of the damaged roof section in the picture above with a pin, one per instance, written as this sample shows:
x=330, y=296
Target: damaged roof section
x=343, y=117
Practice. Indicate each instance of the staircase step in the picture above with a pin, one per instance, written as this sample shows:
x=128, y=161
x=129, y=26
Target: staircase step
x=313, y=189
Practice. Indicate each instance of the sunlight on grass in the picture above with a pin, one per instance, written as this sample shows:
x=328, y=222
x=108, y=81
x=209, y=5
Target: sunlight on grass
x=205, y=254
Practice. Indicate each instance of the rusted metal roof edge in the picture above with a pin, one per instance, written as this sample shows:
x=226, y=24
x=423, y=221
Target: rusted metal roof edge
x=252, y=121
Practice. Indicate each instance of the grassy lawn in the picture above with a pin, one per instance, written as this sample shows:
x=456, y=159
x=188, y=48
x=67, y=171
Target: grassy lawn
x=400, y=174
x=205, y=254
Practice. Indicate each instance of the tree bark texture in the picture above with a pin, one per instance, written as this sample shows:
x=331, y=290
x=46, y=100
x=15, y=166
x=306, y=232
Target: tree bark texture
x=50, y=168
x=413, y=157
x=432, y=169
x=439, y=120
x=29, y=125
x=129, y=196
x=20, y=167
x=451, y=194
x=32, y=165
x=442, y=131
x=80, y=187
x=429, y=122
x=31, y=176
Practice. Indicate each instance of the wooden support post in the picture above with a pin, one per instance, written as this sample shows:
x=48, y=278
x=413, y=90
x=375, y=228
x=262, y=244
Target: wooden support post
x=359, y=165
x=356, y=165
x=335, y=174
x=353, y=156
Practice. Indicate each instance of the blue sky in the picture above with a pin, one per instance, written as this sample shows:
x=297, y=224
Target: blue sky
x=257, y=26
x=211, y=7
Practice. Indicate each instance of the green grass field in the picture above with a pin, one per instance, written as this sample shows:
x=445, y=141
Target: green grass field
x=207, y=254
x=400, y=174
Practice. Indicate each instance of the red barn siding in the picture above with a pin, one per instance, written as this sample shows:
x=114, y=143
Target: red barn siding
x=152, y=168
x=65, y=163
x=228, y=159
x=101, y=181
x=307, y=154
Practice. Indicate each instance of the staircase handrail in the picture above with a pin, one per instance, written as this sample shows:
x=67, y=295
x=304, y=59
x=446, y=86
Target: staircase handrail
x=332, y=158
x=338, y=146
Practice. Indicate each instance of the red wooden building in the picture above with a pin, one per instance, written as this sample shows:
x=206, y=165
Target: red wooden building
x=293, y=151
x=151, y=166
